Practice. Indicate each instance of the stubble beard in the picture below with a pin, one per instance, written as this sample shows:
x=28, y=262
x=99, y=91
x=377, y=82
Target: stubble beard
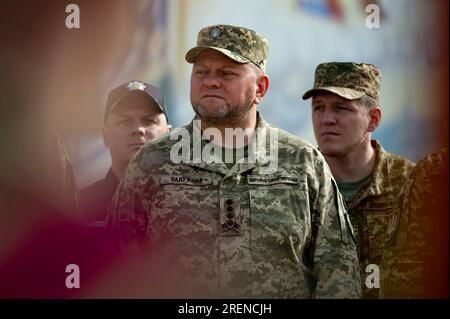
x=225, y=115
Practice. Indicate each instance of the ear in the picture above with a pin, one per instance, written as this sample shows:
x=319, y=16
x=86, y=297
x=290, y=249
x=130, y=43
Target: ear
x=374, y=118
x=105, y=136
x=261, y=88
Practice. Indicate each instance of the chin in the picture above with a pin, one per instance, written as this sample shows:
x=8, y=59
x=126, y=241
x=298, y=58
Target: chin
x=330, y=152
x=214, y=112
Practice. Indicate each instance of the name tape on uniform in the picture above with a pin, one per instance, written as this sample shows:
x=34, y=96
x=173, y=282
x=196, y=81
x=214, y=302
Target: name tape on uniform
x=185, y=180
x=271, y=180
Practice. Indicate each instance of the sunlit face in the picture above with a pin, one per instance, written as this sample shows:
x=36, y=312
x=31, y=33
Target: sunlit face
x=340, y=125
x=134, y=121
x=222, y=90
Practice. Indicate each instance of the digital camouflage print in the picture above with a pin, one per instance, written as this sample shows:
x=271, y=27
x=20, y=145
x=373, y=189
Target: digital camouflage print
x=240, y=44
x=370, y=210
x=239, y=232
x=347, y=79
x=415, y=262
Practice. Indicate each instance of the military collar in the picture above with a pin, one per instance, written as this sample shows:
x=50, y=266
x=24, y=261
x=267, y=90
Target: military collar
x=378, y=184
x=212, y=162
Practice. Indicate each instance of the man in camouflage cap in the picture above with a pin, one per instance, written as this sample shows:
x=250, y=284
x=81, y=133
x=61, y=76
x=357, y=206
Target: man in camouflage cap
x=345, y=112
x=236, y=226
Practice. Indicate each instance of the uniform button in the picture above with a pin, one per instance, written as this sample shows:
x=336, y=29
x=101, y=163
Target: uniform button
x=230, y=223
x=229, y=208
x=230, y=215
x=229, y=202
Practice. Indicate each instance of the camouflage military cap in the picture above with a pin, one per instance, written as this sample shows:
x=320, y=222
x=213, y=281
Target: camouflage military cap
x=347, y=79
x=240, y=44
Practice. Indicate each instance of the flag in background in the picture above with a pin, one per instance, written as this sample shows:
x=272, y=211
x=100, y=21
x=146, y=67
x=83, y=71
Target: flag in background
x=326, y=8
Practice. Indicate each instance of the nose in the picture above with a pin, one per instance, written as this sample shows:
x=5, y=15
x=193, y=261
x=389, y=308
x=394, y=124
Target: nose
x=138, y=130
x=328, y=118
x=211, y=81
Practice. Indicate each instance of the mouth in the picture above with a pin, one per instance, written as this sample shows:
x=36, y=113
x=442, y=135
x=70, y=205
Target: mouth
x=212, y=96
x=137, y=144
x=328, y=133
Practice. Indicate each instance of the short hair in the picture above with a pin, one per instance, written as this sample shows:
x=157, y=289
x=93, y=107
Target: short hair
x=368, y=101
x=256, y=69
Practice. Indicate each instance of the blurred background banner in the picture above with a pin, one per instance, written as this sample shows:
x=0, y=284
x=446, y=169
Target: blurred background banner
x=147, y=40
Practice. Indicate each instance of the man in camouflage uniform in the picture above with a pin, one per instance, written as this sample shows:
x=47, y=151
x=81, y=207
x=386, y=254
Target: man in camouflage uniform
x=345, y=112
x=230, y=225
x=415, y=261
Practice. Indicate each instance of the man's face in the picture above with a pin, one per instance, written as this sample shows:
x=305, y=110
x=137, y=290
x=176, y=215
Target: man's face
x=135, y=120
x=340, y=125
x=222, y=90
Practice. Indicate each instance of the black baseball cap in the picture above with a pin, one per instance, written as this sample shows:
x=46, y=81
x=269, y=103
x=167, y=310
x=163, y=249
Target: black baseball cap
x=116, y=94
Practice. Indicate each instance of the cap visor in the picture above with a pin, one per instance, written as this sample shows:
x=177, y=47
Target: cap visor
x=193, y=53
x=144, y=93
x=346, y=93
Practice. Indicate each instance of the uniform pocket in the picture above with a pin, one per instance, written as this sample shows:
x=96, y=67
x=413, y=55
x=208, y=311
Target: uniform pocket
x=379, y=216
x=183, y=206
x=280, y=226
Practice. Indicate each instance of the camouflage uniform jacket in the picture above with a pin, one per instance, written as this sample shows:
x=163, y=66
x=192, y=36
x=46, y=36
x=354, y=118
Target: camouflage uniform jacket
x=415, y=261
x=240, y=232
x=371, y=208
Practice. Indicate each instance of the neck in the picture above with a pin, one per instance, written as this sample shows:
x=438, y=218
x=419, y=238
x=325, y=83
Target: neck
x=233, y=135
x=354, y=166
x=118, y=169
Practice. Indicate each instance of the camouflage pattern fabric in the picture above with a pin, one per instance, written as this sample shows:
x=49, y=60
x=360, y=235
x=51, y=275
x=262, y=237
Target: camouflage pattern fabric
x=415, y=261
x=347, y=79
x=370, y=210
x=240, y=44
x=239, y=232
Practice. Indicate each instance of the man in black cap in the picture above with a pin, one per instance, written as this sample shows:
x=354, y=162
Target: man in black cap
x=134, y=114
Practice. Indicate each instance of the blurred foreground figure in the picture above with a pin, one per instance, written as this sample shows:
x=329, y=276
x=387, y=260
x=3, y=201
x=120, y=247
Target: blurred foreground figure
x=415, y=262
x=46, y=78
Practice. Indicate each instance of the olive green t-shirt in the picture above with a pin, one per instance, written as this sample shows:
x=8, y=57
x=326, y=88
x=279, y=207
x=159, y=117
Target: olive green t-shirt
x=350, y=189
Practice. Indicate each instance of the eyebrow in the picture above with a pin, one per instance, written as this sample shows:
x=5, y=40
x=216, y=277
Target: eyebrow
x=346, y=104
x=122, y=116
x=151, y=117
x=315, y=101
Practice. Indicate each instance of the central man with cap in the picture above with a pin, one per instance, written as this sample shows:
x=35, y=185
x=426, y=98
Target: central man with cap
x=345, y=113
x=220, y=228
